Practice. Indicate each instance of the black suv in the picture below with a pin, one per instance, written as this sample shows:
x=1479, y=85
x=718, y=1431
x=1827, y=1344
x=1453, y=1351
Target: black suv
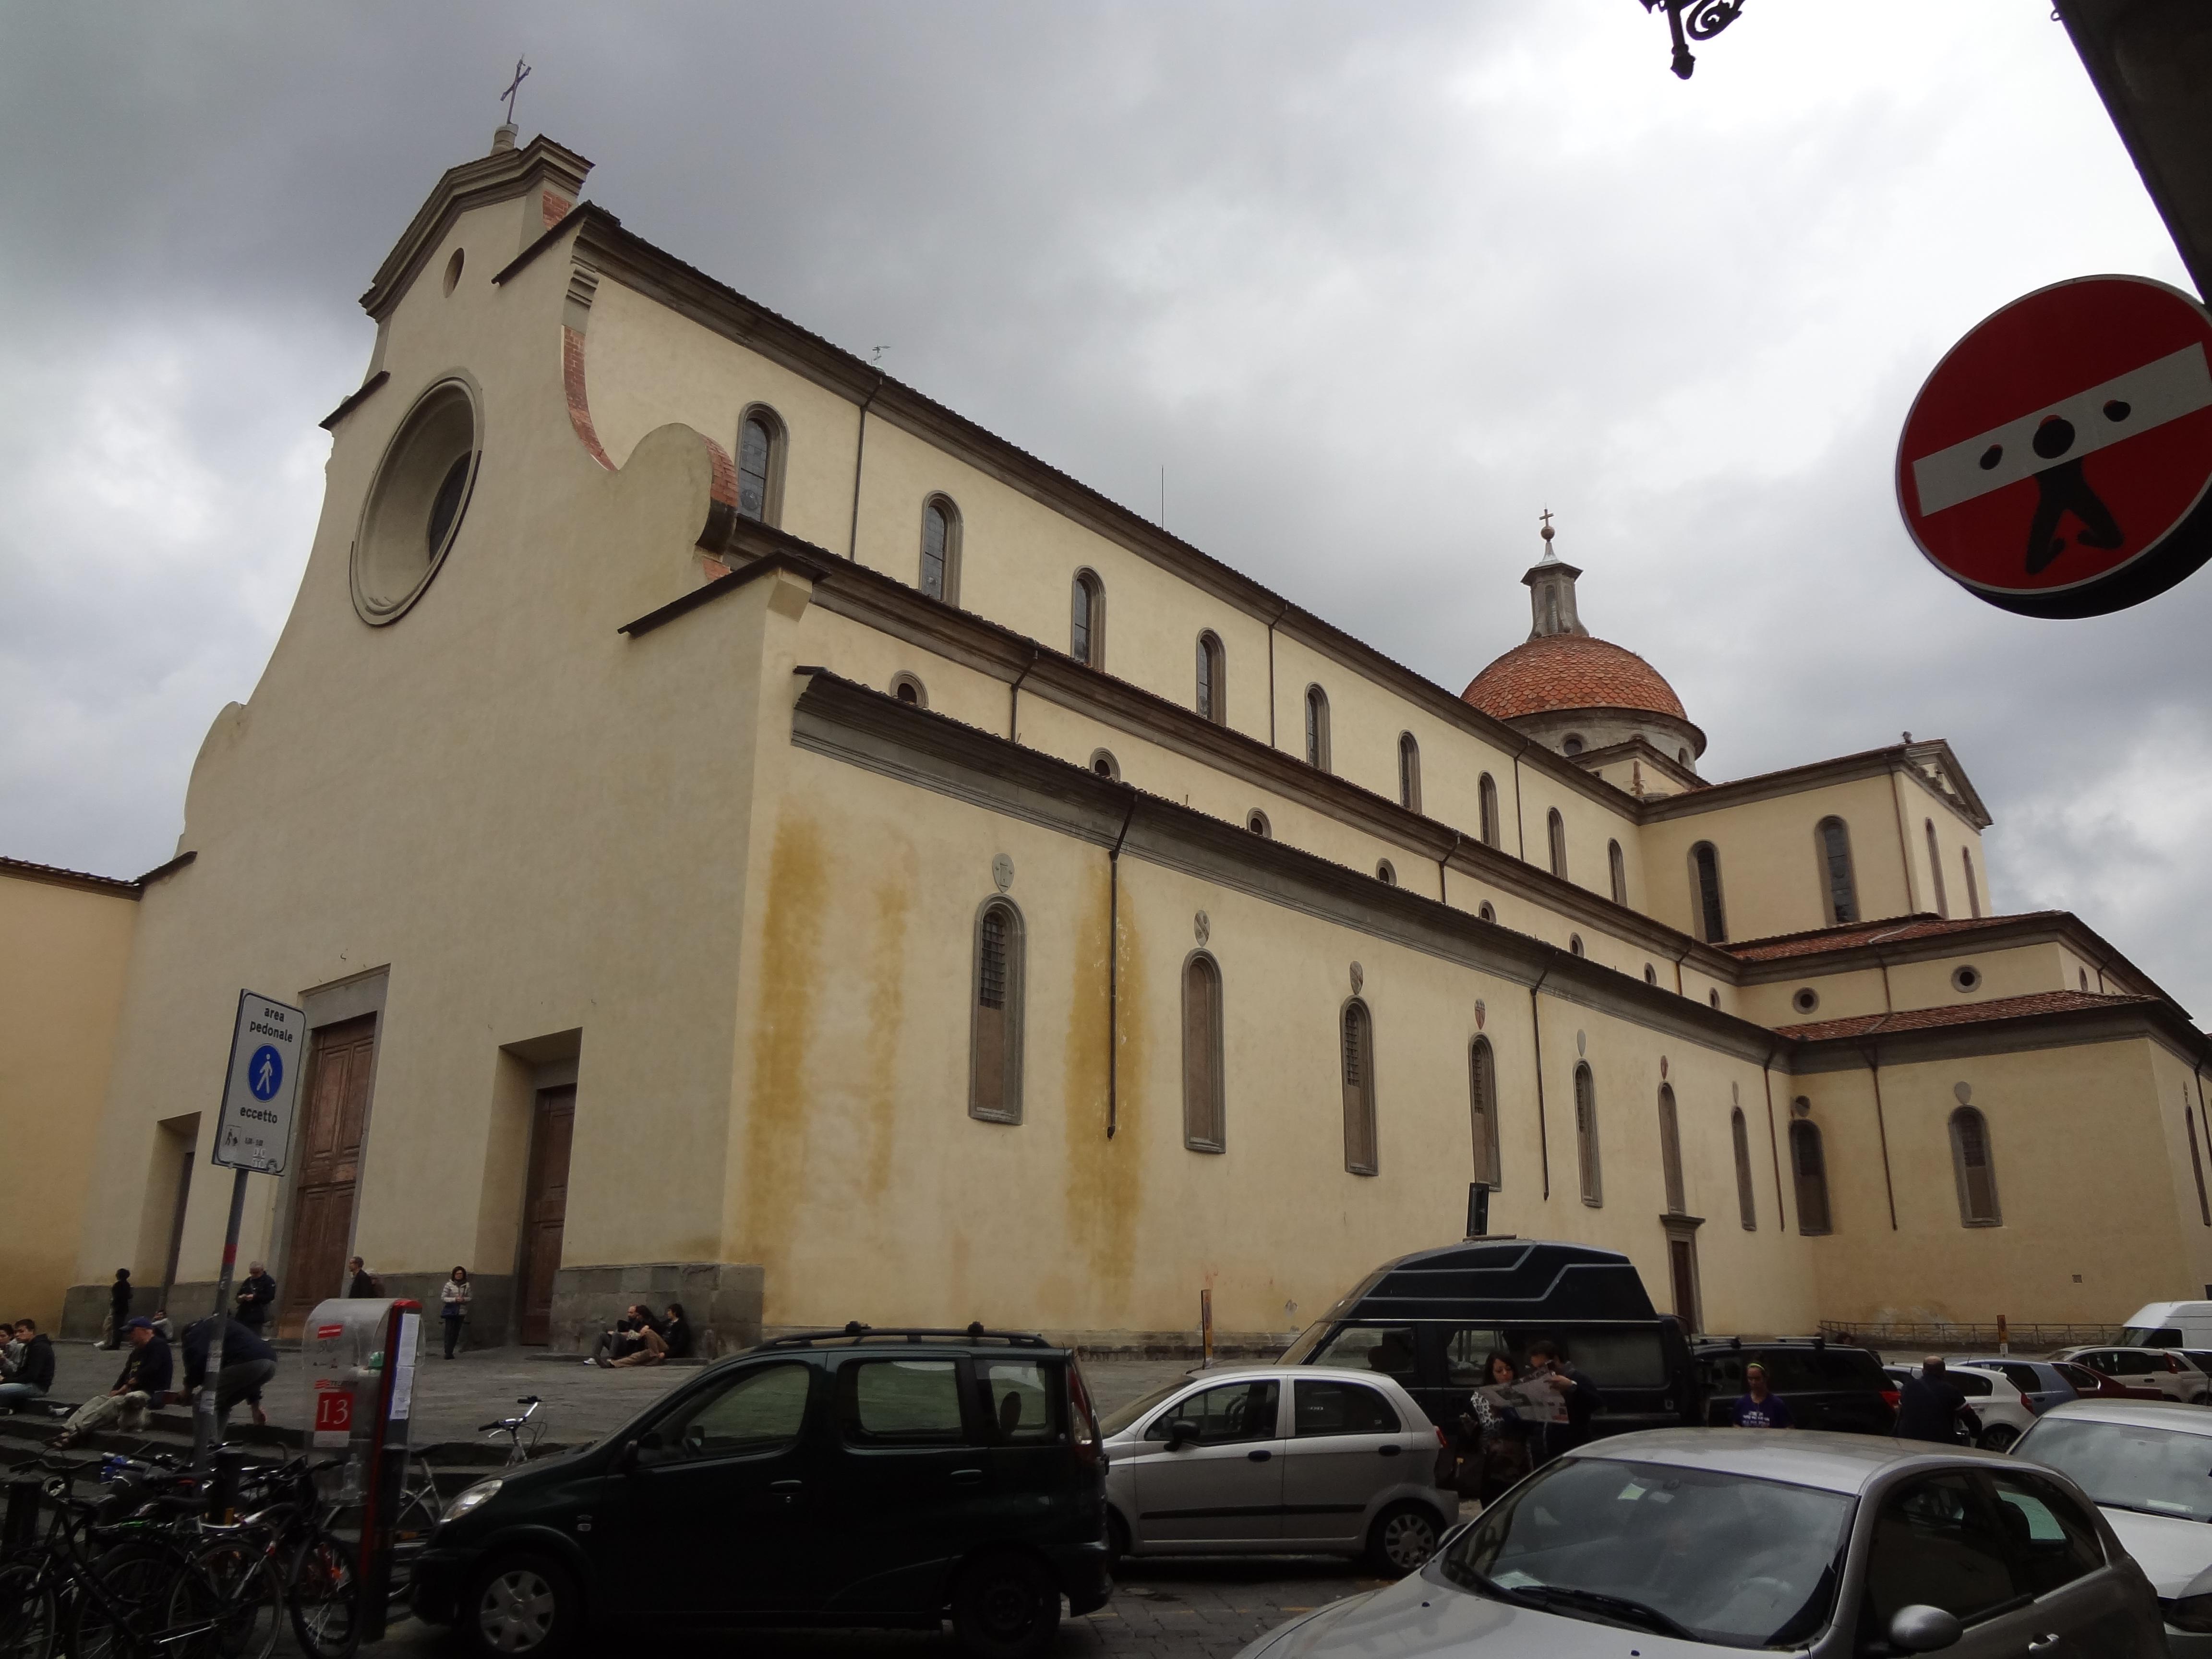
x=1825, y=1386
x=854, y=1478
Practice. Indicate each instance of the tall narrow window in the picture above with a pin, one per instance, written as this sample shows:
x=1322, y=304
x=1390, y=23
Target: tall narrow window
x=994, y=1072
x=1203, y=1118
x=1841, y=889
x=1086, y=632
x=1317, y=728
x=940, y=550
x=1812, y=1171
x=1670, y=1151
x=1359, y=1089
x=1617, y=868
x=1482, y=1110
x=1488, y=793
x=1586, y=1136
x=2197, y=1166
x=1973, y=888
x=1935, y=868
x=760, y=447
x=1978, y=1178
x=1556, y=828
x=1705, y=876
x=1213, y=680
x=1409, y=772
x=1746, y=1204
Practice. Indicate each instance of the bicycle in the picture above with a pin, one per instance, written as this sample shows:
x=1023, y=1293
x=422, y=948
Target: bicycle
x=512, y=1428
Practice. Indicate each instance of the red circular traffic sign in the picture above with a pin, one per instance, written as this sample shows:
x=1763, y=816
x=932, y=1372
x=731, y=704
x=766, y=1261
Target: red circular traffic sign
x=2056, y=463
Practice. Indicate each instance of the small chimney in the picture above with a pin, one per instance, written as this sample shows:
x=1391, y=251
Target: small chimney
x=503, y=136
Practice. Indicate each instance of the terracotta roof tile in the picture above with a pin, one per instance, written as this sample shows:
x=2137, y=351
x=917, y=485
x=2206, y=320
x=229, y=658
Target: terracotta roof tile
x=1970, y=1014
x=1892, y=930
x=50, y=871
x=1569, y=670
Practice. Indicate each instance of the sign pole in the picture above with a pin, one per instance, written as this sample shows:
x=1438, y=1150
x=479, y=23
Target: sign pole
x=203, y=1403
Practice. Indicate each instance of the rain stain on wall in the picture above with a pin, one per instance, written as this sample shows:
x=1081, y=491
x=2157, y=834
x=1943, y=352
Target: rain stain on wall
x=783, y=1031
x=1103, y=1177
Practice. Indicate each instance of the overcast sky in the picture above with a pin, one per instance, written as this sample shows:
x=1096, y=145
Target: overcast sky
x=1375, y=284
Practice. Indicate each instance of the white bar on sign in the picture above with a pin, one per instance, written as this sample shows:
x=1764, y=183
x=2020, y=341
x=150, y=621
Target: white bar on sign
x=2161, y=391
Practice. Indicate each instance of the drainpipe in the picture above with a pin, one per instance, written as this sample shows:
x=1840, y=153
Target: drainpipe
x=1543, y=1129
x=1279, y=614
x=1520, y=829
x=1014, y=700
x=1678, y=974
x=1773, y=1142
x=1114, y=973
x=1443, y=893
x=1872, y=1052
x=1882, y=961
x=859, y=449
x=1904, y=842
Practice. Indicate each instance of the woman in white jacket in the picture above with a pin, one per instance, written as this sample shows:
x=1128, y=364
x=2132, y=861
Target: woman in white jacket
x=454, y=1306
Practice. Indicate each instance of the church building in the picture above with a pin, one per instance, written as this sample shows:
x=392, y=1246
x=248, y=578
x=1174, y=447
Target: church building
x=744, y=833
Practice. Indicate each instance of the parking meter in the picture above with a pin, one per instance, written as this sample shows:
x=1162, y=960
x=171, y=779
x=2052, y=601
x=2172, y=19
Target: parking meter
x=358, y=1358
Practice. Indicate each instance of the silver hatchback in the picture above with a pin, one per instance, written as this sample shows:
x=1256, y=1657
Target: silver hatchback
x=1277, y=1460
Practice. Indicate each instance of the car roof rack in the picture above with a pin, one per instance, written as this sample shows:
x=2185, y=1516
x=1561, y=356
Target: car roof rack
x=855, y=1333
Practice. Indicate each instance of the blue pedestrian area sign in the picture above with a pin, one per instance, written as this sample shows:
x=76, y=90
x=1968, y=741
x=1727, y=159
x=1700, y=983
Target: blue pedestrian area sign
x=267, y=1048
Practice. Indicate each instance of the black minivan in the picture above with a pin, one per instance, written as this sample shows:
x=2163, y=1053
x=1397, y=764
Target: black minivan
x=860, y=1478
x=1429, y=1319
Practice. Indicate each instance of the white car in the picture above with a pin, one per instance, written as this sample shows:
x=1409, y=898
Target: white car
x=2163, y=1369
x=2148, y=1464
x=1277, y=1460
x=2006, y=1413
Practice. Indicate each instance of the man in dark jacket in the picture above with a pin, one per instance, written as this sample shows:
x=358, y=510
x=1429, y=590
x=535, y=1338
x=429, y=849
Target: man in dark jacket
x=1930, y=1407
x=247, y=1363
x=142, y=1384
x=360, y=1284
x=34, y=1371
x=254, y=1297
x=1547, y=1368
x=118, y=1307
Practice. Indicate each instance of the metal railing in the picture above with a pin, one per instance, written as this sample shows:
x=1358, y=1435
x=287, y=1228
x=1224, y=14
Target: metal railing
x=1942, y=1336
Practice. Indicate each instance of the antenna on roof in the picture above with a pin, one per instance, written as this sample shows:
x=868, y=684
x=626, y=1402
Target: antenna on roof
x=876, y=353
x=505, y=136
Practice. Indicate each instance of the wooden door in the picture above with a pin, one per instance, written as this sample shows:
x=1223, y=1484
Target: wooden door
x=545, y=1208
x=329, y=1142
x=1682, y=1263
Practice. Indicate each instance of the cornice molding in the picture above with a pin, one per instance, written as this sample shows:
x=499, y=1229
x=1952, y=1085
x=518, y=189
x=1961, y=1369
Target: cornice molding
x=1797, y=780
x=500, y=176
x=2156, y=1021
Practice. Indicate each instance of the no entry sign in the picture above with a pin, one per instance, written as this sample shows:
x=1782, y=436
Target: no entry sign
x=2057, y=460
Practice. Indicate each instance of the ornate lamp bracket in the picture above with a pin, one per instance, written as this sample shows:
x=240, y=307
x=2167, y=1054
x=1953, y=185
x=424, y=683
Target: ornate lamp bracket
x=1694, y=20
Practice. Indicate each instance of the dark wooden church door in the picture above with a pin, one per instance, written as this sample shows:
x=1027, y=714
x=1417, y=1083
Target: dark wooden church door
x=338, y=1078
x=545, y=1209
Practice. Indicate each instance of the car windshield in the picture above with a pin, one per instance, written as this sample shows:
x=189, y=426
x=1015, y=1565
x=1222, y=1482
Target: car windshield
x=2158, y=1471
x=1122, y=1416
x=2151, y=1336
x=1687, y=1552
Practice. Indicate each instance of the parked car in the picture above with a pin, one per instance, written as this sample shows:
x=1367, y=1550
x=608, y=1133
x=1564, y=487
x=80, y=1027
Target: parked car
x=860, y=1478
x=1825, y=1388
x=2095, y=1385
x=2004, y=1411
x=2039, y=1382
x=2145, y=1465
x=1427, y=1321
x=2169, y=1325
x=1277, y=1460
x=1679, y=1541
x=2172, y=1377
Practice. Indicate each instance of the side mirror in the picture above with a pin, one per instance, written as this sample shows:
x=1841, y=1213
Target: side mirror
x=626, y=1459
x=1180, y=1433
x=1924, y=1629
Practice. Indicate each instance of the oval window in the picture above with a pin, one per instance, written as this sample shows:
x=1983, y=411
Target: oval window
x=417, y=503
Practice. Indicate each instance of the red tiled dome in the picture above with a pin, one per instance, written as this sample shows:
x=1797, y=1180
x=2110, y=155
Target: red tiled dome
x=1571, y=671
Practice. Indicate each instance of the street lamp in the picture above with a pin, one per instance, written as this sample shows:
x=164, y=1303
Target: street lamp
x=1707, y=19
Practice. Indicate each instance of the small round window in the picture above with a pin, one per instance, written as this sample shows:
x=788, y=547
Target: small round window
x=1806, y=1000
x=1575, y=943
x=1385, y=873
x=1967, y=979
x=1257, y=824
x=417, y=502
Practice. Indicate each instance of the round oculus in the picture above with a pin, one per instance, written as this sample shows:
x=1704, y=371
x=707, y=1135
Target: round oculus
x=417, y=502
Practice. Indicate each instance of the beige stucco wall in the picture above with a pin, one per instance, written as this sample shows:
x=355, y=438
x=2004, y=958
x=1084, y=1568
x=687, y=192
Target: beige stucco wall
x=63, y=955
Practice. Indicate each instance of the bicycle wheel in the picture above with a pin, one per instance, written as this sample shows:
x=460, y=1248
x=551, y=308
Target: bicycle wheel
x=234, y=1586
x=29, y=1617
x=325, y=1597
x=126, y=1598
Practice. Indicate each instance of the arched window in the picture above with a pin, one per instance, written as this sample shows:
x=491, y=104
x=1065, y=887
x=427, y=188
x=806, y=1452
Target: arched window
x=1482, y=1110
x=940, y=550
x=1977, y=1173
x=1705, y=880
x=1409, y=772
x=1386, y=873
x=1360, y=1151
x=1087, y=631
x=1317, y=728
x=1213, y=679
x=760, y=465
x=1555, y=828
x=1840, y=889
x=1103, y=763
x=909, y=690
x=1812, y=1171
x=1488, y=794
x=1973, y=888
x=1485, y=911
x=1745, y=1204
x=1257, y=824
x=995, y=1069
x=1203, y=1117
x=1617, y=868
x=1670, y=1151
x=1575, y=944
x=1586, y=1138
x=2197, y=1166
x=1935, y=868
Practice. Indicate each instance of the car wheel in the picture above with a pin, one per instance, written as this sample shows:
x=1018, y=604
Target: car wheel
x=1998, y=1436
x=1402, y=1538
x=1005, y=1607
x=521, y=1604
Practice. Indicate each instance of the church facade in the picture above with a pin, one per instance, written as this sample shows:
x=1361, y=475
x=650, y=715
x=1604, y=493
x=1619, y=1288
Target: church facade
x=744, y=833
